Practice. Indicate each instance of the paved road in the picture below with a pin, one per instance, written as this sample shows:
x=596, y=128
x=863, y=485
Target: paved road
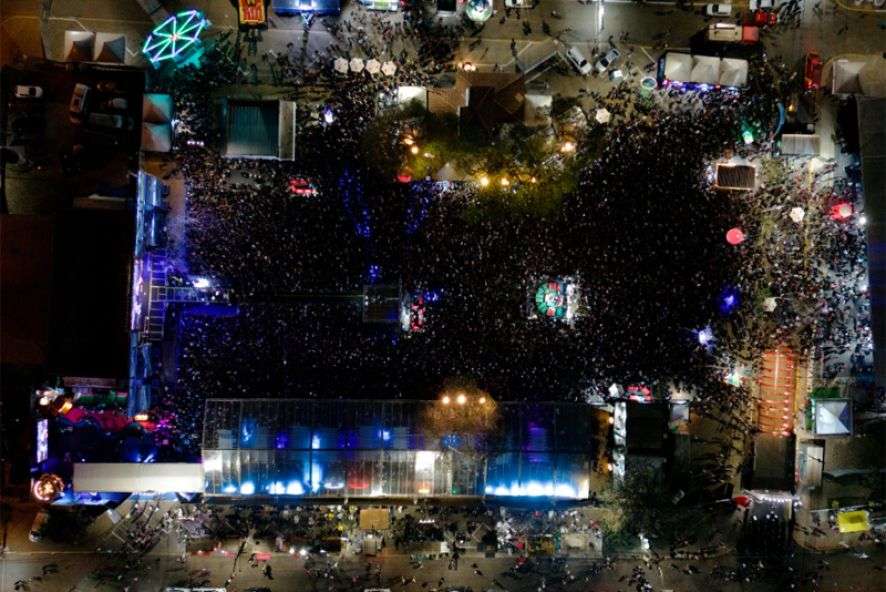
x=847, y=573
x=825, y=27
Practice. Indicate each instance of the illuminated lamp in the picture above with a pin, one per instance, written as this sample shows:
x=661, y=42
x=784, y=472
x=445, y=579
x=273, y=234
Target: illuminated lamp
x=414, y=149
x=841, y=211
x=445, y=400
x=404, y=176
x=66, y=406
x=735, y=236
x=730, y=299
x=484, y=181
x=461, y=399
x=48, y=487
x=140, y=417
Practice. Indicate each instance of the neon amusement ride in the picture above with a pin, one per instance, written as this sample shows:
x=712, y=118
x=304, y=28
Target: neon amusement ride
x=177, y=39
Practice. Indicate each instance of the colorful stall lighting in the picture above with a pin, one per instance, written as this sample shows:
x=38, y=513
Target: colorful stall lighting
x=842, y=211
x=550, y=299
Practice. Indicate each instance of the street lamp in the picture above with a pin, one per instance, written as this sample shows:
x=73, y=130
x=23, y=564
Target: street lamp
x=445, y=400
x=484, y=181
x=461, y=399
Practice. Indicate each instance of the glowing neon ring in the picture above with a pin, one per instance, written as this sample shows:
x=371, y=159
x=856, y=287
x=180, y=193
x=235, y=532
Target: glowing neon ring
x=550, y=299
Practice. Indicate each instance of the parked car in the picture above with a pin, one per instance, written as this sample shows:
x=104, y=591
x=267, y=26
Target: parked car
x=765, y=18
x=23, y=91
x=109, y=120
x=725, y=32
x=758, y=4
x=519, y=3
x=616, y=75
x=118, y=103
x=78, y=100
x=718, y=10
x=812, y=71
x=38, y=527
x=106, y=86
x=603, y=63
x=578, y=61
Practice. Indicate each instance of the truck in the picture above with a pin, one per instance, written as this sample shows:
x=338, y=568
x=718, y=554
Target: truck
x=732, y=33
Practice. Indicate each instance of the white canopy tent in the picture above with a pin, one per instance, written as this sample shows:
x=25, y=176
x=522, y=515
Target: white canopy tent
x=79, y=46
x=705, y=70
x=373, y=66
x=678, y=67
x=733, y=72
x=846, y=77
x=156, y=137
x=389, y=68
x=340, y=65
x=356, y=65
x=110, y=48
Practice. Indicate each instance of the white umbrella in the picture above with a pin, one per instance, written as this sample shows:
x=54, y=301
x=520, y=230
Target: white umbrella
x=603, y=116
x=797, y=214
x=341, y=65
x=769, y=304
x=389, y=68
x=356, y=65
x=373, y=66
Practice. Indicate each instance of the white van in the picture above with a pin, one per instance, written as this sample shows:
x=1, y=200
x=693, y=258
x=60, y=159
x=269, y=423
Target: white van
x=725, y=32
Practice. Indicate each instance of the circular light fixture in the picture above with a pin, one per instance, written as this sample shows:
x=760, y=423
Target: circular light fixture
x=461, y=399
x=445, y=400
x=735, y=236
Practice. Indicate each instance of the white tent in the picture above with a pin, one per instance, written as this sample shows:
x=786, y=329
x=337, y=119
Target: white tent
x=733, y=72
x=678, y=67
x=78, y=46
x=373, y=66
x=603, y=116
x=872, y=77
x=157, y=108
x=389, y=68
x=341, y=65
x=156, y=137
x=846, y=77
x=705, y=70
x=833, y=417
x=110, y=48
x=356, y=65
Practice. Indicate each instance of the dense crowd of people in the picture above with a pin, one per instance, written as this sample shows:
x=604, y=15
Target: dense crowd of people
x=644, y=232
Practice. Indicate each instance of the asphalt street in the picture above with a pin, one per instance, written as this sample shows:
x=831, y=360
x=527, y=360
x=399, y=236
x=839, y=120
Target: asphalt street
x=846, y=573
x=824, y=27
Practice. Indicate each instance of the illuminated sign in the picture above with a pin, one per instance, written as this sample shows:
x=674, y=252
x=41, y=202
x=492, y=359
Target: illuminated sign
x=42, y=440
x=252, y=12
